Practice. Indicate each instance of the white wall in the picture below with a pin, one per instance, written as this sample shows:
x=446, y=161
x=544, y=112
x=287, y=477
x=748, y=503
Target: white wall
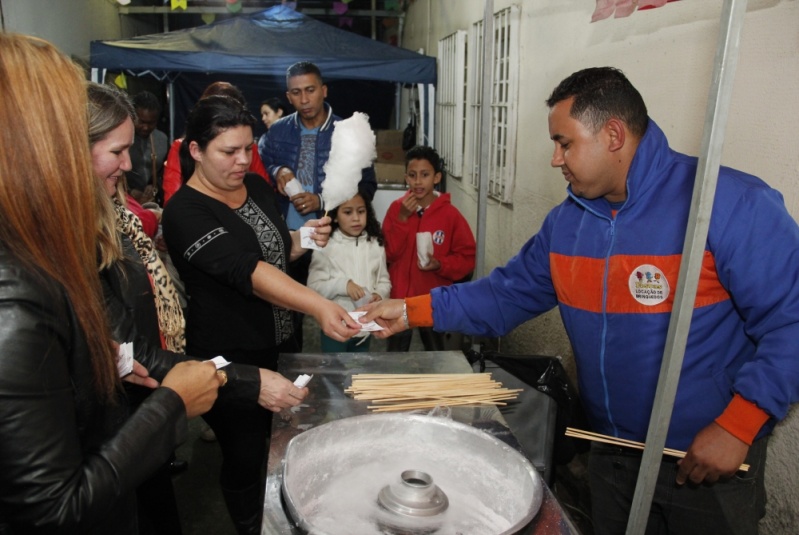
x=668, y=55
x=71, y=24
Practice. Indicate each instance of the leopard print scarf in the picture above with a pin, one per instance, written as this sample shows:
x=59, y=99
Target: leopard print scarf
x=170, y=314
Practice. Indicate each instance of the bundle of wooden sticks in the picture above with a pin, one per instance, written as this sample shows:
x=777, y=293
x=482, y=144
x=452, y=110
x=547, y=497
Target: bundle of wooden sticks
x=401, y=392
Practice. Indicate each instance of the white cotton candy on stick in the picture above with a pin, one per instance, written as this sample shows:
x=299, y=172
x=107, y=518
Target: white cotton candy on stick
x=352, y=148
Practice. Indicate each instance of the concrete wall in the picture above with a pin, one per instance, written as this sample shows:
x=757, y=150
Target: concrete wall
x=668, y=55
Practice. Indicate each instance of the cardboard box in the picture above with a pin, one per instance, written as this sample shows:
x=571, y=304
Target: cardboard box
x=390, y=154
x=390, y=173
x=391, y=138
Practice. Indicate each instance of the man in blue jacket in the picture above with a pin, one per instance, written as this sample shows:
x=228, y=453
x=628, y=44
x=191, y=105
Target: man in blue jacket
x=297, y=146
x=609, y=257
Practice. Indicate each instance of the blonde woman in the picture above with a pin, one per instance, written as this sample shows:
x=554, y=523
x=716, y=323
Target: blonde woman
x=142, y=302
x=71, y=456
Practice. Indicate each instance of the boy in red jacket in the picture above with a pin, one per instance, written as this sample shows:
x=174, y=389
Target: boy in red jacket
x=445, y=234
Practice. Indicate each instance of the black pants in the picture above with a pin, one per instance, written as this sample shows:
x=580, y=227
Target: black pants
x=298, y=270
x=431, y=340
x=243, y=436
x=728, y=507
x=157, y=508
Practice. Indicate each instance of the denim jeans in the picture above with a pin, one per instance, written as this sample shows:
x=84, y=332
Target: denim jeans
x=728, y=507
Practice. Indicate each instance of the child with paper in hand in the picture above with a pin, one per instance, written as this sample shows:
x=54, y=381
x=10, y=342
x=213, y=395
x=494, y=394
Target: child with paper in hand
x=428, y=242
x=351, y=270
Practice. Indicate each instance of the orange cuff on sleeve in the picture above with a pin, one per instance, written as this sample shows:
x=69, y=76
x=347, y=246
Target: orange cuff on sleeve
x=742, y=419
x=420, y=310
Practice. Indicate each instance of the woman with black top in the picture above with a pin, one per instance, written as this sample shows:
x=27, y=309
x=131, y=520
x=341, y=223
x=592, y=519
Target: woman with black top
x=232, y=249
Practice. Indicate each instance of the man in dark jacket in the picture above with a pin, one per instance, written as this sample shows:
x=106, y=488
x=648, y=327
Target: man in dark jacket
x=298, y=146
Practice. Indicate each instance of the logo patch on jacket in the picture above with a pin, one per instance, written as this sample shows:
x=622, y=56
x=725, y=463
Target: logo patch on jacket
x=438, y=237
x=648, y=285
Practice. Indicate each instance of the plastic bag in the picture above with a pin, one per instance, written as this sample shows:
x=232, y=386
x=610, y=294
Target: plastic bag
x=546, y=374
x=409, y=134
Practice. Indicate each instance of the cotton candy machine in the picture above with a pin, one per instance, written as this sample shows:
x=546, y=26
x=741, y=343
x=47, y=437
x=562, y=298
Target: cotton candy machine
x=407, y=474
x=392, y=475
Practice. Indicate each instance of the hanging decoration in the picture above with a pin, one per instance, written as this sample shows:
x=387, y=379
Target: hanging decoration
x=179, y=4
x=121, y=81
x=345, y=21
x=391, y=5
x=339, y=8
x=208, y=18
x=623, y=8
x=123, y=2
x=234, y=6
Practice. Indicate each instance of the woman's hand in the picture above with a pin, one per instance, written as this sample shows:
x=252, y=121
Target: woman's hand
x=140, y=376
x=197, y=384
x=321, y=230
x=277, y=392
x=354, y=291
x=321, y=235
x=335, y=321
x=375, y=298
x=388, y=314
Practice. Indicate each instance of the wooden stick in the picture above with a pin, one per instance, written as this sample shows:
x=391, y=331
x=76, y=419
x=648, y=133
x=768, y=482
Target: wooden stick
x=596, y=437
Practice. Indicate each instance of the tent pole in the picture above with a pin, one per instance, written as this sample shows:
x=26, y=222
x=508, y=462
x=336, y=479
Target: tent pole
x=485, y=136
x=170, y=90
x=397, y=105
x=707, y=171
x=374, y=20
x=431, y=115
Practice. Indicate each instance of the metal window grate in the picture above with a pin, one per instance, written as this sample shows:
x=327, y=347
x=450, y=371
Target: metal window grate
x=450, y=105
x=504, y=103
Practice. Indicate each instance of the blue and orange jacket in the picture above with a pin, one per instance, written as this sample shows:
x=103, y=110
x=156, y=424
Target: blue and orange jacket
x=612, y=271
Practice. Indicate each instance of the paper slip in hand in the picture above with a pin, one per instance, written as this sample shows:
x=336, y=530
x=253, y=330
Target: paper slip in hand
x=219, y=362
x=125, y=359
x=302, y=380
x=365, y=327
x=306, y=239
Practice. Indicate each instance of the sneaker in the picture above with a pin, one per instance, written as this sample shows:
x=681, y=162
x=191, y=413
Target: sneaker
x=208, y=435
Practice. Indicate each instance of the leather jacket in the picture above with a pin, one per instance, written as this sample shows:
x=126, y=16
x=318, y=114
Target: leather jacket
x=69, y=461
x=130, y=305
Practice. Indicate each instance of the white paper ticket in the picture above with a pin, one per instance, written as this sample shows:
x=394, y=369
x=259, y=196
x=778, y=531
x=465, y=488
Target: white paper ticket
x=125, y=359
x=365, y=327
x=306, y=238
x=219, y=362
x=302, y=380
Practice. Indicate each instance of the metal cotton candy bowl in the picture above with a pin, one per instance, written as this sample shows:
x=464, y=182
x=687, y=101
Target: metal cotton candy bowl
x=407, y=474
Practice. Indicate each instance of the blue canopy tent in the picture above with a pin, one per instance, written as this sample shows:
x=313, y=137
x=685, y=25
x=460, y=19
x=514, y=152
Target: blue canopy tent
x=257, y=49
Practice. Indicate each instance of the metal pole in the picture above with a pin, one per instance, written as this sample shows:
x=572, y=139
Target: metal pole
x=693, y=252
x=170, y=95
x=485, y=139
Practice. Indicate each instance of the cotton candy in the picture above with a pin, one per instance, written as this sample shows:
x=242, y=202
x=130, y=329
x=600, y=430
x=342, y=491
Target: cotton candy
x=352, y=148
